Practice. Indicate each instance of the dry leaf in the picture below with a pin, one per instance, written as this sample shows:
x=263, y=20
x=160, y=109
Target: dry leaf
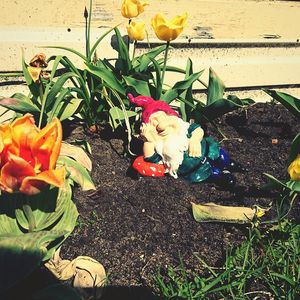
x=89, y=275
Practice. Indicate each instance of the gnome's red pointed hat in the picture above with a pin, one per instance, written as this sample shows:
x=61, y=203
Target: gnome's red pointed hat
x=150, y=106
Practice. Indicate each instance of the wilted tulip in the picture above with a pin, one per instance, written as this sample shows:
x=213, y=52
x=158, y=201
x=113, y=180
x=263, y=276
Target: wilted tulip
x=294, y=169
x=168, y=30
x=132, y=8
x=28, y=156
x=36, y=65
x=136, y=31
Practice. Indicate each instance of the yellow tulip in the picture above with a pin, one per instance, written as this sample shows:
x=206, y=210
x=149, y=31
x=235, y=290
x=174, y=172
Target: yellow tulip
x=132, y=8
x=294, y=169
x=136, y=31
x=168, y=30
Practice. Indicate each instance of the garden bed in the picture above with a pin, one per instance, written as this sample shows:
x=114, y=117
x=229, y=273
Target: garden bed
x=134, y=226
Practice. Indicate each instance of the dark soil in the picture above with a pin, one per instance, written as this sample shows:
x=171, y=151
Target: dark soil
x=136, y=226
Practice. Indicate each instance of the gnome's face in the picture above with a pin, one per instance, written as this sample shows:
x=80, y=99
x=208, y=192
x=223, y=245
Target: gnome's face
x=169, y=136
x=160, y=127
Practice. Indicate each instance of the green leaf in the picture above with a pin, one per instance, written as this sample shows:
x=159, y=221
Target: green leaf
x=218, y=108
x=107, y=76
x=58, y=58
x=47, y=207
x=68, y=108
x=33, y=87
x=180, y=87
x=21, y=254
x=117, y=115
x=69, y=50
x=187, y=94
x=124, y=58
x=56, y=88
x=66, y=224
x=8, y=222
x=77, y=153
x=22, y=97
x=57, y=104
x=294, y=185
x=275, y=181
x=295, y=149
x=77, y=173
x=141, y=63
x=216, y=87
x=141, y=87
x=158, y=83
x=18, y=105
x=98, y=42
x=288, y=101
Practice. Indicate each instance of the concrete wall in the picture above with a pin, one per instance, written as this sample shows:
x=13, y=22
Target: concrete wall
x=248, y=43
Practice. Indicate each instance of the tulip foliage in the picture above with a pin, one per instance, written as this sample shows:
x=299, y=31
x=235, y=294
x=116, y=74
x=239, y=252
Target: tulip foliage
x=37, y=213
x=290, y=187
x=49, y=96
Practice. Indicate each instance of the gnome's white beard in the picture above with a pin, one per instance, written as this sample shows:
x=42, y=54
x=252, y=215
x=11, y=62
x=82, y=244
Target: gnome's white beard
x=172, y=148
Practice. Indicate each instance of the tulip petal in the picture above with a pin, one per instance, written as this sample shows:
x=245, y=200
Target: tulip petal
x=179, y=20
x=13, y=173
x=34, y=184
x=136, y=31
x=34, y=73
x=167, y=33
x=168, y=30
x=132, y=8
x=23, y=134
x=294, y=169
x=158, y=20
x=46, y=146
x=5, y=142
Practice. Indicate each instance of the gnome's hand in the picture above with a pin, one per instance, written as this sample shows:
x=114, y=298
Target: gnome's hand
x=194, y=148
x=195, y=143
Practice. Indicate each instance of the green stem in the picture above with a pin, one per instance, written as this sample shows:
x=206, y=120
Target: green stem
x=86, y=15
x=134, y=47
x=128, y=39
x=89, y=30
x=43, y=104
x=29, y=216
x=165, y=64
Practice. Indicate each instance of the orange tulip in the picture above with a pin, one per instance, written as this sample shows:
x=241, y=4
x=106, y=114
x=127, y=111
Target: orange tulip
x=28, y=156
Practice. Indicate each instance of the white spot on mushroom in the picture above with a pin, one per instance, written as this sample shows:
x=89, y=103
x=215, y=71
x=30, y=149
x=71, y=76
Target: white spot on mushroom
x=143, y=171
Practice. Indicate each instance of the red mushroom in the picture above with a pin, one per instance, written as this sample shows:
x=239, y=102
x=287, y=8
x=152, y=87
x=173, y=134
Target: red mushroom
x=148, y=168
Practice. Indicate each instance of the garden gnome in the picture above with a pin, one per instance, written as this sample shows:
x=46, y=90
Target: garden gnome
x=174, y=146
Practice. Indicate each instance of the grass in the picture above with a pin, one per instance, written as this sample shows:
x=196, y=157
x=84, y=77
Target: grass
x=265, y=266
